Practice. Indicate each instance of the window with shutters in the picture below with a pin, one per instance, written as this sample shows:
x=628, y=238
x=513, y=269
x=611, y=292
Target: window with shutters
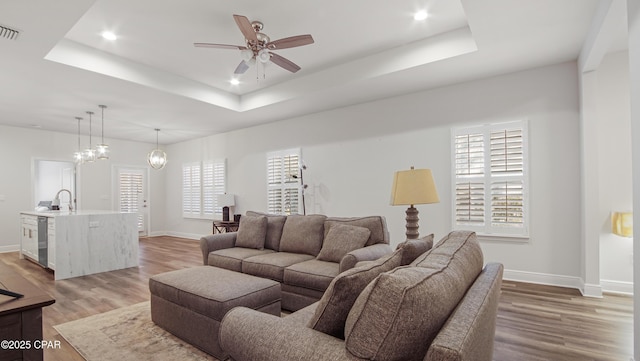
x=490, y=179
x=201, y=183
x=284, y=191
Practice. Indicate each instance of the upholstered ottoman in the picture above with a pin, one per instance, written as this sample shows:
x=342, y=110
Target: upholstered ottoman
x=191, y=302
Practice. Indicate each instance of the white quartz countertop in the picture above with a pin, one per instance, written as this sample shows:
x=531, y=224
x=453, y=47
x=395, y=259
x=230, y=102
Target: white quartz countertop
x=67, y=213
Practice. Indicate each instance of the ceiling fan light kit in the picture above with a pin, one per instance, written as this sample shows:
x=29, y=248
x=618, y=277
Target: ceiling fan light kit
x=259, y=46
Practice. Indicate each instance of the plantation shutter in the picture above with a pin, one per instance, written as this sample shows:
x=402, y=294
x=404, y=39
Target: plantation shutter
x=283, y=182
x=489, y=175
x=469, y=153
x=274, y=182
x=469, y=172
x=191, y=188
x=219, y=183
x=208, y=195
x=470, y=203
x=201, y=183
x=507, y=164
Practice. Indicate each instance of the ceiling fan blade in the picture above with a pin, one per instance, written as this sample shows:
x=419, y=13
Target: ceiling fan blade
x=219, y=46
x=245, y=27
x=290, y=42
x=242, y=68
x=284, y=63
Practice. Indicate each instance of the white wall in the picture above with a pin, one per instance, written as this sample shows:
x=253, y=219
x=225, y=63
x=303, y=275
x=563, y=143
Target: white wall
x=20, y=146
x=614, y=166
x=352, y=152
x=633, y=23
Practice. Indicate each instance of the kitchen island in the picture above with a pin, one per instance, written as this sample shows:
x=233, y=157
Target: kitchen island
x=80, y=243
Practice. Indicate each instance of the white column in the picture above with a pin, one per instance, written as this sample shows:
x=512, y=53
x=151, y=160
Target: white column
x=589, y=184
x=633, y=21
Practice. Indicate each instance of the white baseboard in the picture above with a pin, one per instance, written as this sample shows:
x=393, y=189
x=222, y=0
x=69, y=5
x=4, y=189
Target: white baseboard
x=10, y=248
x=618, y=287
x=194, y=236
x=587, y=290
x=591, y=290
x=542, y=278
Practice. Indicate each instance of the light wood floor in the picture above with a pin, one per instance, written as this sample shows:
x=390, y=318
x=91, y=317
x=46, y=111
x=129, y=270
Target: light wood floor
x=534, y=322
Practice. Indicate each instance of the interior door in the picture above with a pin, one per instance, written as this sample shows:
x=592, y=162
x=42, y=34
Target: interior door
x=132, y=195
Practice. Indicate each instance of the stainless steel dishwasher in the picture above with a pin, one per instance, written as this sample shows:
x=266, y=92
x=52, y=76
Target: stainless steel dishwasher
x=42, y=241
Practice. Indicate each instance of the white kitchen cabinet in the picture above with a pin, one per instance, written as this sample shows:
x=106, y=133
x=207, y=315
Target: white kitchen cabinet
x=29, y=239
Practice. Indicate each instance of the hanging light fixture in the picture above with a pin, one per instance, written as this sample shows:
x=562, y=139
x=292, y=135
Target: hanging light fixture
x=78, y=156
x=90, y=153
x=102, y=148
x=157, y=158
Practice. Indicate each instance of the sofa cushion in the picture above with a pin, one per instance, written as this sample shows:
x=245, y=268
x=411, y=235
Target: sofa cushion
x=303, y=234
x=376, y=224
x=413, y=248
x=398, y=315
x=275, y=223
x=334, y=306
x=252, y=232
x=313, y=274
x=272, y=265
x=231, y=258
x=342, y=239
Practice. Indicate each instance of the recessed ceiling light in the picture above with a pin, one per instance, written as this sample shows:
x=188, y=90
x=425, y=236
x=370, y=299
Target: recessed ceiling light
x=109, y=35
x=234, y=81
x=420, y=15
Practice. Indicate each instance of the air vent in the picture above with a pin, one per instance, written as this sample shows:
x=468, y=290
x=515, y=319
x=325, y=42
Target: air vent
x=8, y=33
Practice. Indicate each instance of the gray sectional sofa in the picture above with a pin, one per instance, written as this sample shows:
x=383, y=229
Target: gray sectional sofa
x=441, y=307
x=303, y=253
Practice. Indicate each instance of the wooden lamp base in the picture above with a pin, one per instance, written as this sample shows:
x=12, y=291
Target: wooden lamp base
x=412, y=223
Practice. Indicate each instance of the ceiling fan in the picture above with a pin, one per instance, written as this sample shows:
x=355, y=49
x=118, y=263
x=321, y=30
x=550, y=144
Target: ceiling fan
x=260, y=47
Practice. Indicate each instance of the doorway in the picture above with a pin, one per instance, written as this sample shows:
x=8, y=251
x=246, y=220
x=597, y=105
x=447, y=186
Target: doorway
x=49, y=177
x=132, y=195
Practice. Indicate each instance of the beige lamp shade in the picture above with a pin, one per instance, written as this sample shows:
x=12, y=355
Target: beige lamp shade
x=622, y=223
x=226, y=200
x=414, y=186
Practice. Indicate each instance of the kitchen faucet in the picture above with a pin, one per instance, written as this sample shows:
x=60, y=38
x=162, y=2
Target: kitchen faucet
x=56, y=200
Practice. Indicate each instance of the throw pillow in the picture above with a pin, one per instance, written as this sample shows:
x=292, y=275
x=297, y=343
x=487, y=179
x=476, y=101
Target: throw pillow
x=275, y=223
x=376, y=224
x=342, y=239
x=303, y=234
x=413, y=248
x=336, y=302
x=252, y=232
x=398, y=315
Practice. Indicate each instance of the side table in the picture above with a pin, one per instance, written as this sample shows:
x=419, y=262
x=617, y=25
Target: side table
x=21, y=318
x=225, y=226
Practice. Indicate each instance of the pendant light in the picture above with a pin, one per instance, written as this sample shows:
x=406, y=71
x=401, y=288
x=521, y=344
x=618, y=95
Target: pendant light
x=157, y=158
x=102, y=148
x=90, y=153
x=78, y=156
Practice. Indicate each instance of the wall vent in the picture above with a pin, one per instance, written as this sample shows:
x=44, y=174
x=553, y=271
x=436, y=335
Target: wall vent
x=8, y=33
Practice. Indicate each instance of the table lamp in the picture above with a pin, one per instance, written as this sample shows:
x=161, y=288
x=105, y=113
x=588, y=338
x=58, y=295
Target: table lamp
x=225, y=201
x=622, y=223
x=410, y=187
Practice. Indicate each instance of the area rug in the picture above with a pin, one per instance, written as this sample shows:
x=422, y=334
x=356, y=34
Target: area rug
x=126, y=334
